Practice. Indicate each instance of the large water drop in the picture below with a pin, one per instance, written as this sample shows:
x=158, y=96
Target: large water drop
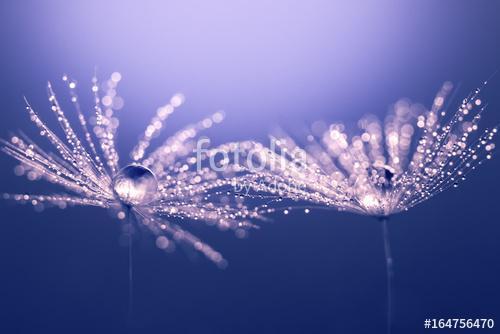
x=135, y=185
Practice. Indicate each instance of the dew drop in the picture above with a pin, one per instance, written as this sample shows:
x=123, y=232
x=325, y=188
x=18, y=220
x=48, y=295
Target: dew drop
x=135, y=185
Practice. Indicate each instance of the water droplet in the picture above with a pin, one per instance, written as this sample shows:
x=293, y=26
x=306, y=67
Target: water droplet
x=135, y=185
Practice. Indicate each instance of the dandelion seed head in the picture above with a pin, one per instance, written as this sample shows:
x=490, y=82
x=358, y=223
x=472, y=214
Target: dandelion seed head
x=392, y=165
x=159, y=189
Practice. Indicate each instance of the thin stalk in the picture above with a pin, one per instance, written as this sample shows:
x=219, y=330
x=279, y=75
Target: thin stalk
x=130, y=264
x=389, y=270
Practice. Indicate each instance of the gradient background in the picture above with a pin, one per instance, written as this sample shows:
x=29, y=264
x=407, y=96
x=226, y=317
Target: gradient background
x=264, y=63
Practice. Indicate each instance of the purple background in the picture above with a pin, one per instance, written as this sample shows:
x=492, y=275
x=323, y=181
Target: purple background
x=266, y=64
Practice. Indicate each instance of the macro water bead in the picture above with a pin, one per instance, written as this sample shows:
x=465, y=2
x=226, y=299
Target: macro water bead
x=135, y=185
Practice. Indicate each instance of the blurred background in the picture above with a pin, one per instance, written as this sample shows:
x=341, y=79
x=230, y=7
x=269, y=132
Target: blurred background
x=265, y=63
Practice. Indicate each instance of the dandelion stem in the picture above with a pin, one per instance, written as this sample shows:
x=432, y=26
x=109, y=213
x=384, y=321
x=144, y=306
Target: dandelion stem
x=389, y=269
x=130, y=264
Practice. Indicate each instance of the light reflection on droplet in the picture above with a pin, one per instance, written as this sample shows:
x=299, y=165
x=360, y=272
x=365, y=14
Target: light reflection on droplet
x=135, y=185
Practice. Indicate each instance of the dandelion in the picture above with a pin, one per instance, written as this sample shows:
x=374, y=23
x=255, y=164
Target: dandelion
x=153, y=189
x=387, y=168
